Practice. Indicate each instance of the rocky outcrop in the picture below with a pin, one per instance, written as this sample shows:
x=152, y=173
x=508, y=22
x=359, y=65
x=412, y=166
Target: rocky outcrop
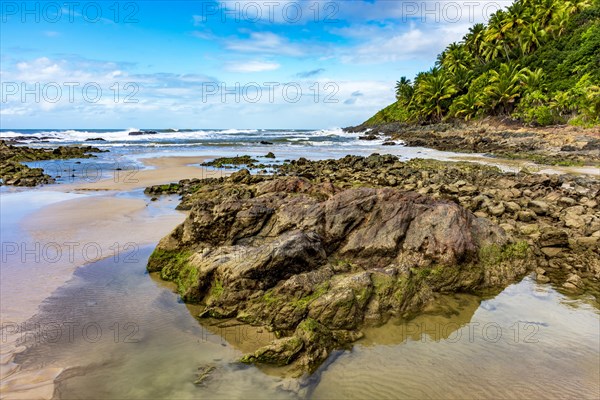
x=530, y=207
x=316, y=262
x=12, y=172
x=557, y=145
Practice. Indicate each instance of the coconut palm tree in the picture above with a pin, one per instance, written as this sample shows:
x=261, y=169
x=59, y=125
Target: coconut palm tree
x=504, y=88
x=456, y=58
x=531, y=37
x=434, y=90
x=516, y=16
x=545, y=9
x=560, y=21
x=575, y=6
x=467, y=105
x=404, y=89
x=532, y=80
x=474, y=39
x=496, y=38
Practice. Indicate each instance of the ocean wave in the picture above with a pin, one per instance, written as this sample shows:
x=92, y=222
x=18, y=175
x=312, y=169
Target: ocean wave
x=181, y=137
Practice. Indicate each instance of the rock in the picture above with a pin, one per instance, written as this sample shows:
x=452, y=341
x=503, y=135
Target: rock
x=270, y=155
x=569, y=286
x=98, y=139
x=552, y=252
x=590, y=242
x=377, y=252
x=264, y=142
x=552, y=237
x=529, y=229
x=526, y=216
x=497, y=210
x=573, y=221
x=468, y=190
x=508, y=228
x=203, y=374
x=542, y=278
x=141, y=133
x=322, y=262
x=389, y=143
x=575, y=280
x=512, y=207
x=539, y=207
x=280, y=352
x=369, y=137
x=566, y=201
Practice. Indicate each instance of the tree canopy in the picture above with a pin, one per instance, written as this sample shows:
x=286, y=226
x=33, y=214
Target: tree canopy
x=537, y=61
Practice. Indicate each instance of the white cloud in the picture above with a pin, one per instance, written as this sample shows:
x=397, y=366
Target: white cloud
x=252, y=66
x=264, y=43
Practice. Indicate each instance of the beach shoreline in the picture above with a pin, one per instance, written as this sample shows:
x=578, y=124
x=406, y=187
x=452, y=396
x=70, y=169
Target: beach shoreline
x=68, y=234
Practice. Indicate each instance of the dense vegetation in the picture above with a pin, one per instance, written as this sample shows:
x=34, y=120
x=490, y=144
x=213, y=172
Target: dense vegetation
x=537, y=61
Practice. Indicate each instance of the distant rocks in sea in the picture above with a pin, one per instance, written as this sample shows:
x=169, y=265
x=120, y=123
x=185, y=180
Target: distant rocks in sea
x=370, y=136
x=264, y=142
x=142, y=133
x=19, y=139
x=98, y=139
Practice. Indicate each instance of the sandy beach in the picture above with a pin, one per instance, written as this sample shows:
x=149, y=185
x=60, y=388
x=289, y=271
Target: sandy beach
x=71, y=233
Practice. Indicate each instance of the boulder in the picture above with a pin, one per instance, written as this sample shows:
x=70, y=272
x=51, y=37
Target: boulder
x=317, y=263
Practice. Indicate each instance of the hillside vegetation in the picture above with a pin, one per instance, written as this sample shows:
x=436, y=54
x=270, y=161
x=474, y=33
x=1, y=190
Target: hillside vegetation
x=538, y=61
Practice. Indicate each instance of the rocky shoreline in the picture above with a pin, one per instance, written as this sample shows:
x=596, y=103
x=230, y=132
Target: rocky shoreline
x=13, y=172
x=321, y=249
x=559, y=145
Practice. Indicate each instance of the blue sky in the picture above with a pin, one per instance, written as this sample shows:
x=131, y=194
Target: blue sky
x=216, y=64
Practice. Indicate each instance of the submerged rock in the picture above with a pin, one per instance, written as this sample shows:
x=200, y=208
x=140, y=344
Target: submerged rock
x=315, y=263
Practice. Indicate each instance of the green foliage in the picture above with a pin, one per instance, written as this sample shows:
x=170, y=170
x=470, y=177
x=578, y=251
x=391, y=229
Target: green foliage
x=394, y=112
x=537, y=60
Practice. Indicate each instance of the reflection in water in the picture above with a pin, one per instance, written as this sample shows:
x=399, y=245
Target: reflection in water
x=522, y=343
x=132, y=338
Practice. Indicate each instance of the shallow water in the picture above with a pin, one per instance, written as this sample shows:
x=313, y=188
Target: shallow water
x=131, y=337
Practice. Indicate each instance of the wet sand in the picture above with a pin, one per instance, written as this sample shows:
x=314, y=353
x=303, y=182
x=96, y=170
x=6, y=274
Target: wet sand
x=164, y=170
x=113, y=219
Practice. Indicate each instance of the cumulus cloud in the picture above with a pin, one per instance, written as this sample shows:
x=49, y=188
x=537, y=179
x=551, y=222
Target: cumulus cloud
x=251, y=66
x=264, y=43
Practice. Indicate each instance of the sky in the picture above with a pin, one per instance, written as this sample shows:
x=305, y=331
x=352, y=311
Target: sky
x=216, y=64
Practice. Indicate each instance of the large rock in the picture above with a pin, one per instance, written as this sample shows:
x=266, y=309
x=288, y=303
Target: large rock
x=315, y=263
